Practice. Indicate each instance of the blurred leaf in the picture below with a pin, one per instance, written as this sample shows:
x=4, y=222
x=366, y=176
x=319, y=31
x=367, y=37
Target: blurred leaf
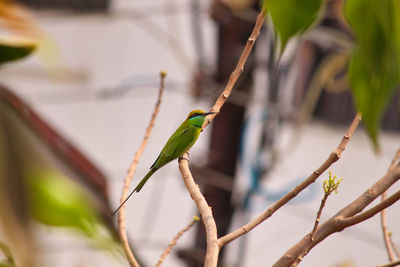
x=6, y=264
x=9, y=262
x=16, y=18
x=58, y=201
x=397, y=27
x=15, y=48
x=291, y=17
x=374, y=66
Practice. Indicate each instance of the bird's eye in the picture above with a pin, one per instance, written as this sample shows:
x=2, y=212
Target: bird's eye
x=194, y=115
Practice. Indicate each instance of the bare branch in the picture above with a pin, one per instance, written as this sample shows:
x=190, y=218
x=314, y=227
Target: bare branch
x=332, y=158
x=396, y=251
x=122, y=212
x=386, y=235
x=385, y=232
x=346, y=222
x=329, y=186
x=213, y=248
x=238, y=69
x=347, y=216
x=175, y=240
x=306, y=249
x=390, y=264
x=211, y=259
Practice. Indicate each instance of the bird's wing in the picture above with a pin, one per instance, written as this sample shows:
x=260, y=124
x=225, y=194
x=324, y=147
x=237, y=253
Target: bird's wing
x=168, y=153
x=173, y=143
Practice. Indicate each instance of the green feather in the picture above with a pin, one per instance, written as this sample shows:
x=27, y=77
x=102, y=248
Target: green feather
x=144, y=180
x=180, y=141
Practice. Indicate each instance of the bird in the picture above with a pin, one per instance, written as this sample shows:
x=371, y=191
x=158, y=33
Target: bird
x=180, y=141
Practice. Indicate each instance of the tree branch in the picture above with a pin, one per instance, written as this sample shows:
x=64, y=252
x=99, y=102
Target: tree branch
x=312, y=234
x=238, y=69
x=347, y=216
x=329, y=186
x=346, y=222
x=213, y=248
x=211, y=259
x=122, y=212
x=390, y=264
x=386, y=235
x=175, y=240
x=332, y=158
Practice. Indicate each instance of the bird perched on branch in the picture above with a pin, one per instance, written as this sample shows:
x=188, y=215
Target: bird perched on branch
x=180, y=141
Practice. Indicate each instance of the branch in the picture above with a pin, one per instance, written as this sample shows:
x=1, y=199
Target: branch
x=175, y=240
x=213, y=248
x=238, y=69
x=371, y=212
x=211, y=259
x=329, y=186
x=348, y=216
x=386, y=235
x=396, y=251
x=306, y=249
x=122, y=213
x=332, y=158
x=390, y=264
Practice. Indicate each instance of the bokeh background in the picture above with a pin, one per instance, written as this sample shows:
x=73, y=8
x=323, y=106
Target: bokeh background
x=96, y=84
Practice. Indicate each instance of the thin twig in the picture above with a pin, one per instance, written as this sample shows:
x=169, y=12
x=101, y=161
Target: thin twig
x=333, y=157
x=396, y=251
x=329, y=186
x=317, y=220
x=385, y=232
x=238, y=69
x=175, y=240
x=348, y=216
x=386, y=235
x=306, y=249
x=390, y=264
x=122, y=212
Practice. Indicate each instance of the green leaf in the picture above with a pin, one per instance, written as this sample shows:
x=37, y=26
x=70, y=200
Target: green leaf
x=15, y=48
x=397, y=26
x=6, y=264
x=58, y=201
x=374, y=66
x=5, y=249
x=291, y=17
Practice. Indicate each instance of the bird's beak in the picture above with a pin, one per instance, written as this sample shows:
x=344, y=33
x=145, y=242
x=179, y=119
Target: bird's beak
x=208, y=113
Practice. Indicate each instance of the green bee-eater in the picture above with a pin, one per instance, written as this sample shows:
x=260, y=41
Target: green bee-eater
x=180, y=141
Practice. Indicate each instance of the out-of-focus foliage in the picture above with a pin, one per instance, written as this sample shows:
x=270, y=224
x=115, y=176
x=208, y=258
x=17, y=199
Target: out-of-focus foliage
x=9, y=259
x=291, y=17
x=55, y=200
x=24, y=38
x=374, y=70
x=15, y=48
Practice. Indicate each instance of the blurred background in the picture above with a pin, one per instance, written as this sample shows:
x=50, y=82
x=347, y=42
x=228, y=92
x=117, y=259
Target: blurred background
x=79, y=105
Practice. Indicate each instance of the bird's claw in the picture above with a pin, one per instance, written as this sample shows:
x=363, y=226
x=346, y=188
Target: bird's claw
x=183, y=158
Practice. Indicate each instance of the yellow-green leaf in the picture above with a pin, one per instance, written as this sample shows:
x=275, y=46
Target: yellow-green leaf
x=291, y=17
x=12, y=48
x=374, y=66
x=57, y=201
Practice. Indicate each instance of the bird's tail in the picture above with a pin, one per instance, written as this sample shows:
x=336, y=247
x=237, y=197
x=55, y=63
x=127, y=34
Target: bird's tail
x=137, y=188
x=144, y=180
